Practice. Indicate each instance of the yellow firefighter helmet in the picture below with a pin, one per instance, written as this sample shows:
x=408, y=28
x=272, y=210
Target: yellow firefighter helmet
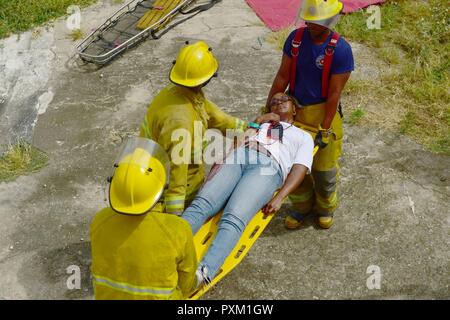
x=322, y=12
x=140, y=176
x=194, y=65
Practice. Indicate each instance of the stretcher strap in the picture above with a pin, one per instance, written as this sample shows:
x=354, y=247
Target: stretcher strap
x=202, y=7
x=190, y=13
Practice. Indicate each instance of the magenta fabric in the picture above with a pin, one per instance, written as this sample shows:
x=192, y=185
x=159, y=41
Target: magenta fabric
x=280, y=14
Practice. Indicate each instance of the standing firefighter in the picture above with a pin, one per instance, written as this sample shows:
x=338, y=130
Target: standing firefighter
x=138, y=252
x=182, y=107
x=316, y=65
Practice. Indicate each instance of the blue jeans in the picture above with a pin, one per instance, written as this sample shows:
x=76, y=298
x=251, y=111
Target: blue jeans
x=243, y=186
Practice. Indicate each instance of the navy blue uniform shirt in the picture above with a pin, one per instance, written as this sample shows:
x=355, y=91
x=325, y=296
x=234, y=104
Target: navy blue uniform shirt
x=308, y=84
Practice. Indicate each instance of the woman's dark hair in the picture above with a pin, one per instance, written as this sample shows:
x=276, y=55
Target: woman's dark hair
x=266, y=109
x=293, y=99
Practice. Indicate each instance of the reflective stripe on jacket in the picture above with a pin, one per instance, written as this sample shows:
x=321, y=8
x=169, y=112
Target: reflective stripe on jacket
x=142, y=257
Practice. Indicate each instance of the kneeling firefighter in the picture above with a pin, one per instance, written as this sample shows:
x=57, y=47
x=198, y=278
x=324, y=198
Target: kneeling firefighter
x=316, y=65
x=182, y=106
x=139, y=252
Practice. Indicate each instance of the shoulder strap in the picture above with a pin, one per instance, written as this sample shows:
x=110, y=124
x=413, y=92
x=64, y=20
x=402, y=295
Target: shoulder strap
x=295, y=49
x=328, y=60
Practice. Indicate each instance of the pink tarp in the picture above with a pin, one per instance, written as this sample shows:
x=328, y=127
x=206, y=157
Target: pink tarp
x=279, y=14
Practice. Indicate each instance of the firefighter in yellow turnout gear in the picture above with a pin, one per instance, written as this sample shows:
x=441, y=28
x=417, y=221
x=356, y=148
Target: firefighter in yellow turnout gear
x=183, y=107
x=139, y=252
x=316, y=65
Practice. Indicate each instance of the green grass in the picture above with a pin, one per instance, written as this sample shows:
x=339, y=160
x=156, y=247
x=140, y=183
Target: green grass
x=21, y=159
x=356, y=116
x=407, y=123
x=21, y=15
x=414, y=38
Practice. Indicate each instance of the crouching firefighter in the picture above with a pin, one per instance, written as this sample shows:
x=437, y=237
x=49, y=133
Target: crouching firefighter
x=316, y=65
x=138, y=252
x=182, y=107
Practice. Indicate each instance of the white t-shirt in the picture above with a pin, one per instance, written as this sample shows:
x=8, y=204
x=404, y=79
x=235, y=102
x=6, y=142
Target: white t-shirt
x=296, y=148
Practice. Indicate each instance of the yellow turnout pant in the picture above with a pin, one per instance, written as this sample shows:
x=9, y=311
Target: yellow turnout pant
x=320, y=188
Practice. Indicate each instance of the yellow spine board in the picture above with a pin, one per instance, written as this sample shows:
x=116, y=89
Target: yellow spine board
x=204, y=237
x=160, y=9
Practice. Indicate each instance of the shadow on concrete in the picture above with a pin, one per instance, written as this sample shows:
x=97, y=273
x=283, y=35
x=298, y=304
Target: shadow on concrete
x=277, y=228
x=50, y=267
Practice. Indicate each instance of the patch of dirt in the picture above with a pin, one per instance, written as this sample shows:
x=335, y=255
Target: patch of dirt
x=359, y=92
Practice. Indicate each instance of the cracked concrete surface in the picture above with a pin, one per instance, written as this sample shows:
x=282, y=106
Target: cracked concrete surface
x=394, y=210
x=26, y=65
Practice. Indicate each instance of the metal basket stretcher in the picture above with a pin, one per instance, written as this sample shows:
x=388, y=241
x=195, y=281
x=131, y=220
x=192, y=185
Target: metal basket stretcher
x=133, y=23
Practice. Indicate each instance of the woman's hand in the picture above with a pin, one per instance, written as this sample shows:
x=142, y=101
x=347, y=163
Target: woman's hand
x=274, y=205
x=268, y=117
x=293, y=181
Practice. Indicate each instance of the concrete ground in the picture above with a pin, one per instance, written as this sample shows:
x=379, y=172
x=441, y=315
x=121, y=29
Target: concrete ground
x=395, y=195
